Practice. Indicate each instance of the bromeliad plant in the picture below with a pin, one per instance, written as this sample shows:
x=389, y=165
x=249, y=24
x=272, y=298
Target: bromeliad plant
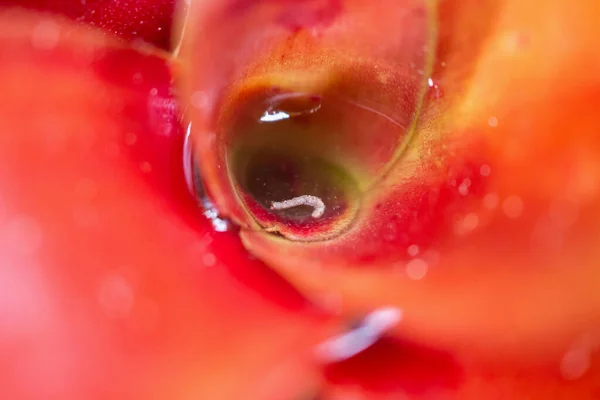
x=420, y=179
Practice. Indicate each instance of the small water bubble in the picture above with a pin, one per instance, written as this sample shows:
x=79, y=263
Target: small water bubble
x=434, y=89
x=130, y=138
x=330, y=301
x=85, y=216
x=491, y=201
x=485, y=170
x=220, y=225
x=211, y=213
x=288, y=105
x=45, y=35
x=563, y=213
x=416, y=269
x=493, y=122
x=467, y=224
x=463, y=188
x=512, y=206
x=138, y=78
x=145, y=167
x=431, y=257
x=146, y=315
x=209, y=259
x=163, y=114
x=86, y=189
x=199, y=99
x=112, y=150
x=22, y=234
x=412, y=250
x=360, y=338
x=116, y=296
x=273, y=115
x=575, y=362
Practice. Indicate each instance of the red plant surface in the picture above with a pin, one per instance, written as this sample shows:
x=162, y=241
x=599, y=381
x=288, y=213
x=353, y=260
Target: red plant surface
x=480, y=233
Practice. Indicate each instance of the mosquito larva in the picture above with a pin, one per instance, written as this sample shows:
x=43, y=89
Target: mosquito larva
x=305, y=200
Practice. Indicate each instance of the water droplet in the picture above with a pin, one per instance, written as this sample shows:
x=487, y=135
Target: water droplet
x=85, y=216
x=370, y=329
x=189, y=166
x=145, y=167
x=485, y=170
x=435, y=92
x=209, y=259
x=463, y=188
x=219, y=224
x=416, y=269
x=138, y=78
x=512, y=206
x=289, y=105
x=86, y=189
x=116, y=296
x=22, y=234
x=413, y=250
x=563, y=213
x=491, y=201
x=146, y=315
x=467, y=224
x=575, y=362
x=130, y=138
x=431, y=257
x=45, y=35
x=112, y=150
x=331, y=302
x=493, y=121
x=200, y=100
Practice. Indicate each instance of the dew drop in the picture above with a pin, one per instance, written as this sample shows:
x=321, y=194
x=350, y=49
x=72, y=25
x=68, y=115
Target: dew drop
x=200, y=100
x=116, y=296
x=22, y=234
x=463, y=188
x=512, y=206
x=86, y=189
x=289, y=105
x=45, y=35
x=491, y=201
x=209, y=259
x=416, y=269
x=412, y=250
x=365, y=334
x=138, y=78
x=435, y=92
x=485, y=170
x=130, y=139
x=575, y=362
x=85, y=216
x=145, y=167
x=467, y=224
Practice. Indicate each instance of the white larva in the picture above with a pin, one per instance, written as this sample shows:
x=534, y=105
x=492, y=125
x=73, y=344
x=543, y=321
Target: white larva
x=305, y=200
